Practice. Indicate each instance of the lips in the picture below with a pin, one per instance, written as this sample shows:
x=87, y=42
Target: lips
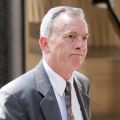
x=77, y=56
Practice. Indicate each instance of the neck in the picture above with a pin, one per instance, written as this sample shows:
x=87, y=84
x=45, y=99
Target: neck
x=64, y=73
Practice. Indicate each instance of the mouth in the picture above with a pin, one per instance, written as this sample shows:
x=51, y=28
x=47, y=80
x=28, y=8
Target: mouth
x=77, y=55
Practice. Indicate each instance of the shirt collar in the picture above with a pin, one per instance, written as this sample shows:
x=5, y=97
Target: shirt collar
x=56, y=80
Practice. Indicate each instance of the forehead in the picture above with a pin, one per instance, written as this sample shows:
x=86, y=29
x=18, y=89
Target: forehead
x=66, y=22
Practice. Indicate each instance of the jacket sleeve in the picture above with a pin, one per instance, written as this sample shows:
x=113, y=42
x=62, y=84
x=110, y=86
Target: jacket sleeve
x=10, y=108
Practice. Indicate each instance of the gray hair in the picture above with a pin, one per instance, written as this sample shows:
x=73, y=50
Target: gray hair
x=47, y=24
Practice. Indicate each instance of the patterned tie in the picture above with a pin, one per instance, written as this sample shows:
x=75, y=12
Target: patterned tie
x=70, y=115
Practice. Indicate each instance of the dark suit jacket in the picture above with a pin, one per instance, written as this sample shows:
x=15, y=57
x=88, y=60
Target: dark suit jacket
x=31, y=97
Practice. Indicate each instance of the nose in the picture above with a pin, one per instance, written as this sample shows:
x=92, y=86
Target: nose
x=80, y=44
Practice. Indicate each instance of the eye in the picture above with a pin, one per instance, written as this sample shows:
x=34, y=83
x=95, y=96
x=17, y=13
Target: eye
x=71, y=36
x=85, y=38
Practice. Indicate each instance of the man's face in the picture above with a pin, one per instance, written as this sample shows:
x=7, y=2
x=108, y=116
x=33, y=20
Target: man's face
x=68, y=45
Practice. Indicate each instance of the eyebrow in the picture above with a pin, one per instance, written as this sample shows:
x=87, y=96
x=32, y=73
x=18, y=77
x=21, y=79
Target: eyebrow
x=86, y=34
x=73, y=32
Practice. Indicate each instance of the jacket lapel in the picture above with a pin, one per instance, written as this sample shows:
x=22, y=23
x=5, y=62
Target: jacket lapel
x=83, y=100
x=49, y=104
x=50, y=107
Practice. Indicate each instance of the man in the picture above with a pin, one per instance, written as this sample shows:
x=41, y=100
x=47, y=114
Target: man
x=40, y=93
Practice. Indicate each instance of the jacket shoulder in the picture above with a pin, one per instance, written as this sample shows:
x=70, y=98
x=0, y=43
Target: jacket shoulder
x=23, y=83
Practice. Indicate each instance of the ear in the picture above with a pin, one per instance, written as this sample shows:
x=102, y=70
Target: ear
x=44, y=44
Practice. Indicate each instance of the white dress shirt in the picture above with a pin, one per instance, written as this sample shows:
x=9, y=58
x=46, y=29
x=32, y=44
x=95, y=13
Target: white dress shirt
x=59, y=85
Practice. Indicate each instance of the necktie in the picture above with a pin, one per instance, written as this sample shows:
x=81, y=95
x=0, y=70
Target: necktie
x=70, y=115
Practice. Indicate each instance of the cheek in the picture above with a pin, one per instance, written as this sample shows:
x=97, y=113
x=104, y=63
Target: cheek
x=85, y=49
x=63, y=51
x=58, y=50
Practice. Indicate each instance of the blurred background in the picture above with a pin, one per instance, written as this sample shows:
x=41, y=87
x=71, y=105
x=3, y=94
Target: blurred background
x=20, y=52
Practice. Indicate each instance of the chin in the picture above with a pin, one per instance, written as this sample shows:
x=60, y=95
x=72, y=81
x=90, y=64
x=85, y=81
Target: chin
x=77, y=65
